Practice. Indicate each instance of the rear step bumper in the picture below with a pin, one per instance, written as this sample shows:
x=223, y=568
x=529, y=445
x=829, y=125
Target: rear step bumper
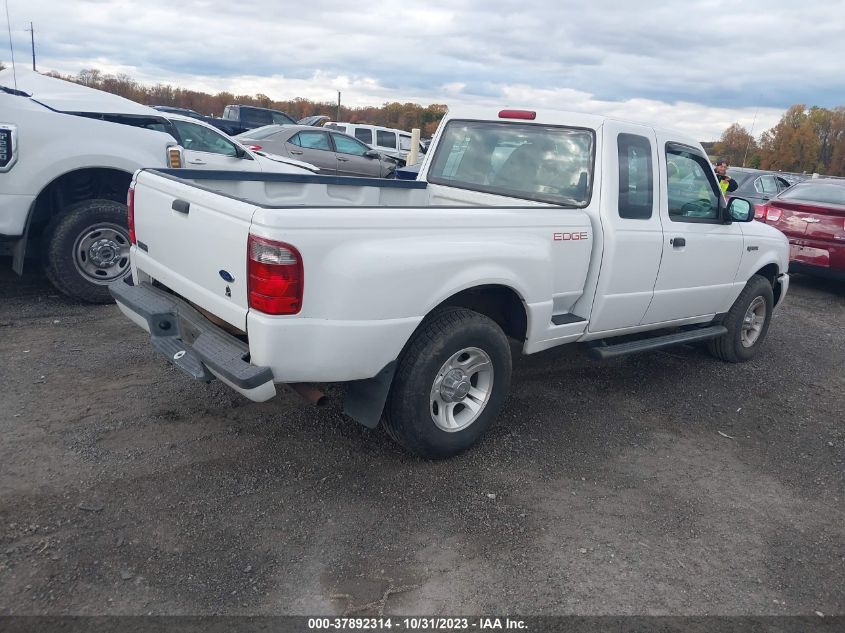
x=192, y=342
x=605, y=352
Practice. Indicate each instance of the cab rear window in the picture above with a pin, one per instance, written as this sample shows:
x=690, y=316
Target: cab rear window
x=533, y=162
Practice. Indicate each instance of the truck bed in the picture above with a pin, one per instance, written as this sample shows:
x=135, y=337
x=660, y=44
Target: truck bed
x=270, y=190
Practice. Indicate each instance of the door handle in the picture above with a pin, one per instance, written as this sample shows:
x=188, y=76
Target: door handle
x=295, y=152
x=181, y=206
x=678, y=242
x=343, y=160
x=196, y=162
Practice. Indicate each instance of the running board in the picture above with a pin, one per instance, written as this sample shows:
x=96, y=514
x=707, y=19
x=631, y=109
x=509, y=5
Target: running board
x=606, y=352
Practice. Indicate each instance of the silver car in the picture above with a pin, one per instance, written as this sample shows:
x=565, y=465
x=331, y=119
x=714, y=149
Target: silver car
x=333, y=152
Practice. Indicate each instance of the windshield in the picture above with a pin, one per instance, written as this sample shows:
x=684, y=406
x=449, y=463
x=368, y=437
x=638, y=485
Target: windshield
x=533, y=162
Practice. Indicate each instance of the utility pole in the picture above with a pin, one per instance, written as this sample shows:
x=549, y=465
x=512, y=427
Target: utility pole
x=31, y=30
x=751, y=133
x=338, y=106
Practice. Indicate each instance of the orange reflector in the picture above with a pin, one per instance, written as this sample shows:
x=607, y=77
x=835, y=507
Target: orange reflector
x=174, y=156
x=518, y=114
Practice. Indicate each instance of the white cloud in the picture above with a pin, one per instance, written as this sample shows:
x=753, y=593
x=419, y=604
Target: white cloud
x=699, y=65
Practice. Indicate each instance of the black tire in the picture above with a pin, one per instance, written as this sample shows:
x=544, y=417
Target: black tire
x=408, y=412
x=63, y=238
x=730, y=346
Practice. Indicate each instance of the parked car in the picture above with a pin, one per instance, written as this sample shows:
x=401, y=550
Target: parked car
x=812, y=215
x=333, y=152
x=526, y=230
x=393, y=142
x=206, y=147
x=756, y=185
x=250, y=117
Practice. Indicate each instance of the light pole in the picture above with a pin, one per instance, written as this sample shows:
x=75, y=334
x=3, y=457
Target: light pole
x=31, y=30
x=338, y=106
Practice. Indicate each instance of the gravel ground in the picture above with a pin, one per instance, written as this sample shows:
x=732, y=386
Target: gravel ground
x=667, y=483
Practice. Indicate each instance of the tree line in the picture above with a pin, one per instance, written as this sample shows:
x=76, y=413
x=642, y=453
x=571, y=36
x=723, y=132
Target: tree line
x=805, y=140
x=404, y=116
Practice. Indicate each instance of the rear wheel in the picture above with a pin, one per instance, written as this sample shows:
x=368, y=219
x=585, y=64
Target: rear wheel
x=747, y=322
x=450, y=385
x=87, y=248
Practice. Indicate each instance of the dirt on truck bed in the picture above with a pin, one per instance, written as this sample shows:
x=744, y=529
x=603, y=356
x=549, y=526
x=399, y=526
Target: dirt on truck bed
x=665, y=483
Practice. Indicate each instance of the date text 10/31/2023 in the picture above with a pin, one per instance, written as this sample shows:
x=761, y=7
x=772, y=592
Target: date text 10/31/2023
x=416, y=624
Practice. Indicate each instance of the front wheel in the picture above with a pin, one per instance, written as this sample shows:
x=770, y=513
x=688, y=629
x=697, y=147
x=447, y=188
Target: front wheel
x=450, y=385
x=747, y=322
x=87, y=248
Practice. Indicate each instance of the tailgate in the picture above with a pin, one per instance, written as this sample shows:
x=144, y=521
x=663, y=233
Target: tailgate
x=194, y=242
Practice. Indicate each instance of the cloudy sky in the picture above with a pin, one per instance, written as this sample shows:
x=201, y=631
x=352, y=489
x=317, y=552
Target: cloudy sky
x=698, y=65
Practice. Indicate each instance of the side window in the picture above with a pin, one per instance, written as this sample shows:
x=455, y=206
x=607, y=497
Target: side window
x=363, y=134
x=692, y=186
x=758, y=185
x=769, y=184
x=386, y=139
x=255, y=118
x=636, y=178
x=230, y=113
x=311, y=140
x=404, y=142
x=782, y=184
x=347, y=145
x=201, y=139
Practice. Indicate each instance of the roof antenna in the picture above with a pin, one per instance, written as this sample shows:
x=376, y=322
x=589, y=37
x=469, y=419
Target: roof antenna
x=11, y=47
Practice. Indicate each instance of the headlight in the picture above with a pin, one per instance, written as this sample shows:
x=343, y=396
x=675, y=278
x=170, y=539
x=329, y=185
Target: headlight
x=8, y=146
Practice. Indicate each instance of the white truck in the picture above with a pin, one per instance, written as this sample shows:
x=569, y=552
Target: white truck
x=67, y=155
x=531, y=229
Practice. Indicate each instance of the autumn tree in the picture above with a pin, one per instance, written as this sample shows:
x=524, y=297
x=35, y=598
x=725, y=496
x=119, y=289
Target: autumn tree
x=405, y=116
x=792, y=145
x=735, y=145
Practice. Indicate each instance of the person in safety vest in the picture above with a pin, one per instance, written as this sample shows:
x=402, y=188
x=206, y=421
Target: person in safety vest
x=726, y=183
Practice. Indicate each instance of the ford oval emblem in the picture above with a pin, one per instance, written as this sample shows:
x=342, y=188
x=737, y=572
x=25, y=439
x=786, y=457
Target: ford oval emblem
x=227, y=276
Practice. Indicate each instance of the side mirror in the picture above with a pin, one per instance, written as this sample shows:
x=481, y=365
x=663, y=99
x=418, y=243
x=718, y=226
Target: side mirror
x=740, y=210
x=372, y=154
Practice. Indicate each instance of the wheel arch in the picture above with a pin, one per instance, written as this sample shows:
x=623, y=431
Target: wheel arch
x=76, y=185
x=499, y=302
x=771, y=272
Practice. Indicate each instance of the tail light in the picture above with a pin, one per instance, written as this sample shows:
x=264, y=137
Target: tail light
x=130, y=214
x=274, y=276
x=773, y=214
x=760, y=211
x=174, y=157
x=254, y=148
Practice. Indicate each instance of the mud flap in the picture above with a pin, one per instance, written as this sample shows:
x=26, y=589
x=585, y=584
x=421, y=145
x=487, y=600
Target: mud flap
x=364, y=399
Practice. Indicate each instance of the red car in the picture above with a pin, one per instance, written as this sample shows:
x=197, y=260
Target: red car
x=812, y=215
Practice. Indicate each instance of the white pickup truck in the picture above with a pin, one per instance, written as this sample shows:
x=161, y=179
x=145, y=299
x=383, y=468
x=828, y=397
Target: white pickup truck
x=67, y=155
x=533, y=228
